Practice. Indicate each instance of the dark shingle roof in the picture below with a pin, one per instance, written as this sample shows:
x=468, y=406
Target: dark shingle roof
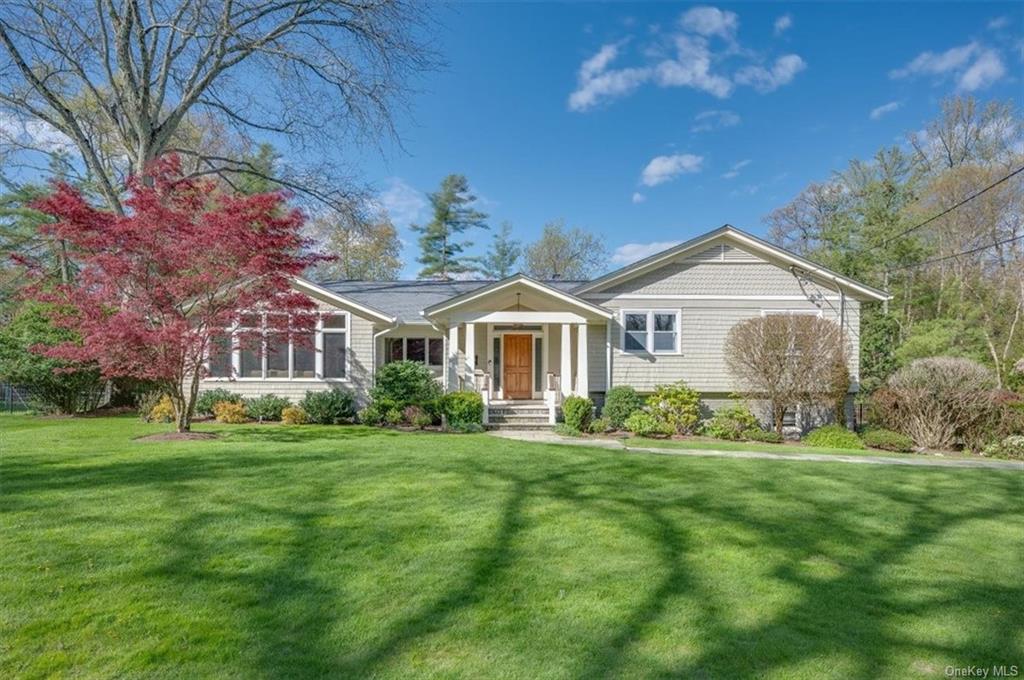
x=405, y=299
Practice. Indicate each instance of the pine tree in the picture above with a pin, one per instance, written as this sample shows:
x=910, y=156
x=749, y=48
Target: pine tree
x=440, y=251
x=505, y=252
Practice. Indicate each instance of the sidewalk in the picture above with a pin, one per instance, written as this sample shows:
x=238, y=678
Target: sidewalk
x=912, y=461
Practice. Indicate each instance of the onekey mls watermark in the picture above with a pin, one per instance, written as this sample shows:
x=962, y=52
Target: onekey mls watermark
x=995, y=671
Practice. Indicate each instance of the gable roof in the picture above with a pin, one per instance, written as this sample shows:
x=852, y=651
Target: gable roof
x=317, y=290
x=405, y=299
x=749, y=242
x=517, y=279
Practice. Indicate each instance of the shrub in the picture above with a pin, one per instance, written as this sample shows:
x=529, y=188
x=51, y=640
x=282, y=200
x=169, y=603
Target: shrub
x=1011, y=447
x=466, y=428
x=567, y=430
x=643, y=424
x=759, y=435
x=328, y=407
x=371, y=415
x=731, y=422
x=206, y=400
x=417, y=417
x=676, y=405
x=266, y=407
x=463, y=408
x=834, y=437
x=620, y=403
x=146, y=402
x=937, y=402
x=887, y=440
x=600, y=426
x=405, y=383
x=293, y=415
x=577, y=412
x=162, y=411
x=229, y=412
x=393, y=417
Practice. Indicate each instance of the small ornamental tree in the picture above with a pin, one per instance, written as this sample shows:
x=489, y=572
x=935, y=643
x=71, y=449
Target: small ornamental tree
x=158, y=285
x=788, y=359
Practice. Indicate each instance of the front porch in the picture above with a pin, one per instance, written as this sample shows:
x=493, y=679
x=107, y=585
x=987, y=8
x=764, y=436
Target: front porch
x=520, y=341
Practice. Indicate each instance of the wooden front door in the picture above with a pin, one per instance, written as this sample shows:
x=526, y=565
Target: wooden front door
x=517, y=373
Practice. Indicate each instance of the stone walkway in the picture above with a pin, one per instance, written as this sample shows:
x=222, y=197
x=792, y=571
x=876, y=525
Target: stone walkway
x=912, y=461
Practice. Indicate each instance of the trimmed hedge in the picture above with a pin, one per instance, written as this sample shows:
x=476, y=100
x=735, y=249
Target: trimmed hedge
x=887, y=440
x=577, y=412
x=328, y=407
x=463, y=410
x=620, y=403
x=207, y=398
x=833, y=437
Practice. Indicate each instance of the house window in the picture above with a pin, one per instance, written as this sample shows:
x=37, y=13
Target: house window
x=496, y=373
x=428, y=351
x=651, y=330
x=538, y=365
x=335, y=346
x=220, y=356
x=263, y=349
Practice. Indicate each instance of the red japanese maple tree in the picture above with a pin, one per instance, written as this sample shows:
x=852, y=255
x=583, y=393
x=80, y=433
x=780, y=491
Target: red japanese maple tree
x=157, y=285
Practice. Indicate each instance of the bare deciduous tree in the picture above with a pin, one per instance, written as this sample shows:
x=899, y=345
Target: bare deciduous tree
x=787, y=360
x=565, y=254
x=123, y=82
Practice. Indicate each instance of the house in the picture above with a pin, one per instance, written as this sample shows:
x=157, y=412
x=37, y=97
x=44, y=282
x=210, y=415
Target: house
x=527, y=344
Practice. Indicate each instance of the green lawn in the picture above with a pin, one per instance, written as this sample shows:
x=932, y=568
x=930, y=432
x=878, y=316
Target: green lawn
x=347, y=553
x=704, y=444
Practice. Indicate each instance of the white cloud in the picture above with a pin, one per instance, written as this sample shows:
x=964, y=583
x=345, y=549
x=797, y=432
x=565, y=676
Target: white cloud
x=884, y=109
x=403, y=204
x=998, y=23
x=783, y=24
x=594, y=82
x=631, y=252
x=682, y=57
x=692, y=68
x=661, y=169
x=714, y=119
x=764, y=80
x=930, y=63
x=735, y=169
x=986, y=69
x=34, y=134
x=638, y=197
x=709, y=21
x=973, y=66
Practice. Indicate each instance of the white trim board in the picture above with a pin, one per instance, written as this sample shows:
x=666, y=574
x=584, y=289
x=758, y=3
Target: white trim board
x=667, y=296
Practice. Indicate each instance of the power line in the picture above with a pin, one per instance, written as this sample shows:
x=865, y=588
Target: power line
x=951, y=208
x=960, y=254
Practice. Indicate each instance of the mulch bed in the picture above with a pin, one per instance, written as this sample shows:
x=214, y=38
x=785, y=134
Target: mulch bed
x=176, y=436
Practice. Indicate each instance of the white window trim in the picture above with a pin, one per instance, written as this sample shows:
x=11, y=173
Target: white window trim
x=649, y=340
x=405, y=349
x=318, y=366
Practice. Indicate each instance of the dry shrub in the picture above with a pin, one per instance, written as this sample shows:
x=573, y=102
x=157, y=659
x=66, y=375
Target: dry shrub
x=229, y=412
x=938, y=402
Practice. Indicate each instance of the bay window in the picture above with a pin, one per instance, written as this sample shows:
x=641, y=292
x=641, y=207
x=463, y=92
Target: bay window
x=651, y=330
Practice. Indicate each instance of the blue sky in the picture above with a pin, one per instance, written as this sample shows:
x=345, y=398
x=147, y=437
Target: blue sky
x=651, y=123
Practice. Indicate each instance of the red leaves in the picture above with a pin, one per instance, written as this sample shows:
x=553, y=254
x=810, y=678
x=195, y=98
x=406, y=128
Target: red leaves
x=156, y=283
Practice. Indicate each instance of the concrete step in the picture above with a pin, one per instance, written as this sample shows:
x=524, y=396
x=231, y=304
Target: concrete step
x=519, y=426
x=539, y=412
x=518, y=421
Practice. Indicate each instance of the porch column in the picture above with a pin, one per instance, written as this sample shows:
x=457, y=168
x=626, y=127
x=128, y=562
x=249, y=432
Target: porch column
x=566, y=372
x=471, y=355
x=453, y=357
x=582, y=379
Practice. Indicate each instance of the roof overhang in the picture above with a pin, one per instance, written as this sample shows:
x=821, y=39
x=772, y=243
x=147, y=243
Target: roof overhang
x=747, y=241
x=306, y=286
x=452, y=306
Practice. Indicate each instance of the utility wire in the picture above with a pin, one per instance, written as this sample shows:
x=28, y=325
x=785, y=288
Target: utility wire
x=960, y=254
x=950, y=209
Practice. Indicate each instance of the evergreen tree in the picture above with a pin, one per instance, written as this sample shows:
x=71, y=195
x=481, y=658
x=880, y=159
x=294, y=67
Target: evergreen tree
x=505, y=252
x=440, y=251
